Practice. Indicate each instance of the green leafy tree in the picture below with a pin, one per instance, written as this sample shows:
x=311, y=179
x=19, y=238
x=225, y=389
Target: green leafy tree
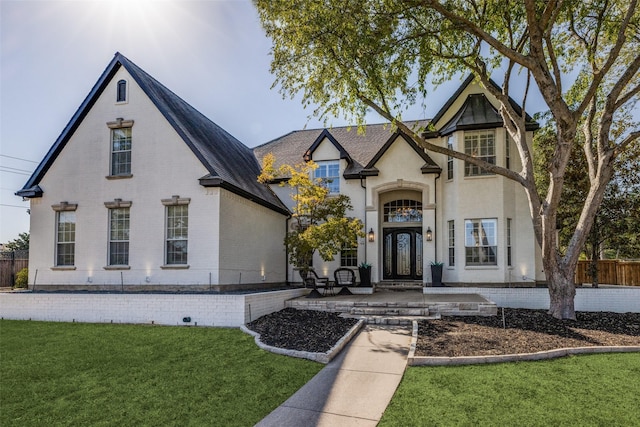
x=320, y=219
x=353, y=56
x=19, y=244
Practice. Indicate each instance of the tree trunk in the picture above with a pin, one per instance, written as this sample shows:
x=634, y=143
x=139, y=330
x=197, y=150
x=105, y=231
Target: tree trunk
x=562, y=290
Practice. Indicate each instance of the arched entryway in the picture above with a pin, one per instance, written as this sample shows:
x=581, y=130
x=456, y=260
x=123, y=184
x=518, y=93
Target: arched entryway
x=402, y=250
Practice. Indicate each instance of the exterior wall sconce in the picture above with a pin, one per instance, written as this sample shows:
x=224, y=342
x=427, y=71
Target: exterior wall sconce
x=89, y=279
x=429, y=234
x=371, y=235
x=147, y=279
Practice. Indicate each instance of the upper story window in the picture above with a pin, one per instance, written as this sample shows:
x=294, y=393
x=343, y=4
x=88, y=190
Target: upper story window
x=121, y=95
x=121, y=151
x=120, y=148
x=329, y=173
x=403, y=211
x=449, y=158
x=482, y=145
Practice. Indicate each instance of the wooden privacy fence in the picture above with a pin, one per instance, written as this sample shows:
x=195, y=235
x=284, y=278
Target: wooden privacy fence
x=611, y=272
x=10, y=263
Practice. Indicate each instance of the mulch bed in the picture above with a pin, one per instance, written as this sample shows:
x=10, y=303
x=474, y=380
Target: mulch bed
x=524, y=331
x=303, y=330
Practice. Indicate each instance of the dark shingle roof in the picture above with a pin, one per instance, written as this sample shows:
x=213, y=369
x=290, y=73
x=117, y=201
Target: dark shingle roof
x=360, y=149
x=230, y=163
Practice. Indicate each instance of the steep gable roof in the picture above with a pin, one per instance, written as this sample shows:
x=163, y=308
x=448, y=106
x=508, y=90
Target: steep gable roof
x=476, y=113
x=357, y=148
x=230, y=163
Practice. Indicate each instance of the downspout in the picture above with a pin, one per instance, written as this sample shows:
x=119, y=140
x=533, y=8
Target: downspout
x=286, y=252
x=363, y=179
x=435, y=216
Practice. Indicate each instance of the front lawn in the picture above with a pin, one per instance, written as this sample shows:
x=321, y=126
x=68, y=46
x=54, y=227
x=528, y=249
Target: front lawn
x=119, y=375
x=593, y=390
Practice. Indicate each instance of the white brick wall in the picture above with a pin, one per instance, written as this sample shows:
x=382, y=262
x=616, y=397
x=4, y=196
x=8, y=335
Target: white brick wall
x=162, y=309
x=619, y=299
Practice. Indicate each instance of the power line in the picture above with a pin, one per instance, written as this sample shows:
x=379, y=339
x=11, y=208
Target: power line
x=18, y=158
x=14, y=206
x=15, y=169
x=17, y=173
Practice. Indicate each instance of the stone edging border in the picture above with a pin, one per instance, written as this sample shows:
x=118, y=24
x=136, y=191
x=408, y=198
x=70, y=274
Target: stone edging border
x=414, y=360
x=316, y=357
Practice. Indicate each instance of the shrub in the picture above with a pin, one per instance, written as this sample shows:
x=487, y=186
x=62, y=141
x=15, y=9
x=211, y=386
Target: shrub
x=22, y=278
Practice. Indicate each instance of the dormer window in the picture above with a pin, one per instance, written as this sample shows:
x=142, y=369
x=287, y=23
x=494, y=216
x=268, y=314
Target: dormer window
x=329, y=174
x=121, y=96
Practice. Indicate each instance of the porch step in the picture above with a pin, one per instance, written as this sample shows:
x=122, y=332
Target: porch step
x=399, y=286
x=390, y=320
x=390, y=311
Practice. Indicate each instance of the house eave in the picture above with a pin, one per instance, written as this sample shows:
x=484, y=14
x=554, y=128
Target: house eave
x=215, y=181
x=31, y=192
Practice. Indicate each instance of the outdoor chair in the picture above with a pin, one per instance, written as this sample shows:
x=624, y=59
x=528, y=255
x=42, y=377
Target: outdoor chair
x=311, y=280
x=344, y=277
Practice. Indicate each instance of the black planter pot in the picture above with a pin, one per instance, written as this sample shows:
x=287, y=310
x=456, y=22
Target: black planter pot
x=365, y=276
x=436, y=275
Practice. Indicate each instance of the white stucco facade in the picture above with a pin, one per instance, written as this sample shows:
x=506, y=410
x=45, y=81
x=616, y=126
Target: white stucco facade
x=223, y=228
x=417, y=212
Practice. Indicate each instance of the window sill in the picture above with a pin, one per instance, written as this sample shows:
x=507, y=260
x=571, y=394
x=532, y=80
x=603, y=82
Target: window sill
x=117, y=267
x=112, y=177
x=174, y=267
x=63, y=268
x=480, y=176
x=481, y=267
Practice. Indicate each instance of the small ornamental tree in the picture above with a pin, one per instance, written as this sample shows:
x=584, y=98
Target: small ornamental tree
x=320, y=221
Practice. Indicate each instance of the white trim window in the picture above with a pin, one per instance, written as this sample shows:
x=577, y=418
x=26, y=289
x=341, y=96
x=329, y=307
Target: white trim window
x=481, y=241
x=449, y=158
x=349, y=257
x=509, y=254
x=119, y=236
x=481, y=145
x=65, y=238
x=176, y=248
x=121, y=151
x=452, y=242
x=329, y=173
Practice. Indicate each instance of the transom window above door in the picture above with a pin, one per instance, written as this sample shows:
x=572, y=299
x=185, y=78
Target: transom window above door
x=404, y=210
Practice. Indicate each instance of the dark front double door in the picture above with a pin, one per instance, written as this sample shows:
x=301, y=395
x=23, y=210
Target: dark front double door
x=402, y=252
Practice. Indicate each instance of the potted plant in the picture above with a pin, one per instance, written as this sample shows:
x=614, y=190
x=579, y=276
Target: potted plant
x=365, y=274
x=436, y=273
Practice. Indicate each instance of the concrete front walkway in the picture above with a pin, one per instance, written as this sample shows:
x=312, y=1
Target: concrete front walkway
x=355, y=388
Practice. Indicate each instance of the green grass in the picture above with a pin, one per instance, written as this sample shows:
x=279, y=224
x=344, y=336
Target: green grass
x=131, y=375
x=594, y=390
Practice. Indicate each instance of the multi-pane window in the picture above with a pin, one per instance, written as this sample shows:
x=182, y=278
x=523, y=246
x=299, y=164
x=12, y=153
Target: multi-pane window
x=403, y=211
x=121, y=95
x=481, y=241
x=481, y=145
x=349, y=257
x=66, y=238
x=449, y=158
x=119, y=236
x=509, y=242
x=177, y=234
x=329, y=173
x=121, y=151
x=452, y=243
x=507, y=150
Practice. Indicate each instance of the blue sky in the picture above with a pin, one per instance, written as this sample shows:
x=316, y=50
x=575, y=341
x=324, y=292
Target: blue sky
x=213, y=54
